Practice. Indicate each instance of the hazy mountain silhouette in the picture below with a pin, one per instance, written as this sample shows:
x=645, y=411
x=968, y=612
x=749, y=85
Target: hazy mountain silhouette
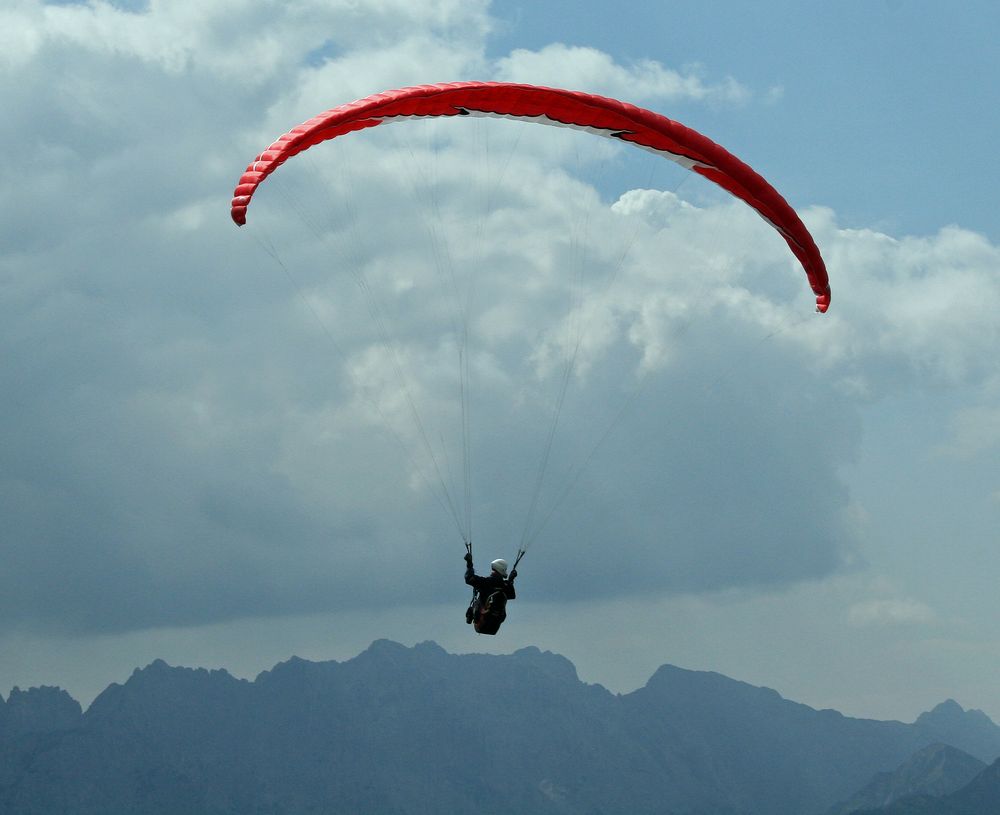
x=418, y=730
x=969, y=730
x=37, y=710
x=981, y=796
x=935, y=770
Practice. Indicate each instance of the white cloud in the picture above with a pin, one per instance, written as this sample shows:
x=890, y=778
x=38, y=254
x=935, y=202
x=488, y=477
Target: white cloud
x=909, y=310
x=249, y=40
x=581, y=68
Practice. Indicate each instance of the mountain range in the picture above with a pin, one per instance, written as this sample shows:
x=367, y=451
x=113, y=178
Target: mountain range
x=400, y=730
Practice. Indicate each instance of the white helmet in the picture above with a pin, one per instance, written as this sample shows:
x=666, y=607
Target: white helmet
x=499, y=566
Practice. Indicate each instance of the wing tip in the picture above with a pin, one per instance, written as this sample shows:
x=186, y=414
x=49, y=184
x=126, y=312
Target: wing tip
x=823, y=301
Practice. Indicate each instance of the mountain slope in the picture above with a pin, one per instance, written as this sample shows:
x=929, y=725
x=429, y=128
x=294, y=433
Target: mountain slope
x=981, y=796
x=933, y=771
x=969, y=730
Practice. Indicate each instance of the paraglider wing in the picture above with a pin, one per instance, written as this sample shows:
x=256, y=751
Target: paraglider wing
x=582, y=111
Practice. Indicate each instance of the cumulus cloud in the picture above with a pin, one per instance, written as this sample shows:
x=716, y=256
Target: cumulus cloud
x=250, y=42
x=581, y=68
x=194, y=432
x=911, y=309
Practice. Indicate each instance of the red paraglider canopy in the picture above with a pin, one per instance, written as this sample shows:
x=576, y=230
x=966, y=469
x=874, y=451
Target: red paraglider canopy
x=582, y=111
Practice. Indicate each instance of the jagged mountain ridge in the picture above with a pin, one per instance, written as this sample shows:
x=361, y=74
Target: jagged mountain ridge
x=969, y=730
x=38, y=710
x=936, y=770
x=981, y=796
x=418, y=730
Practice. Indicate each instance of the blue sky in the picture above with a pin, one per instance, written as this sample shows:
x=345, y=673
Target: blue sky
x=193, y=469
x=884, y=112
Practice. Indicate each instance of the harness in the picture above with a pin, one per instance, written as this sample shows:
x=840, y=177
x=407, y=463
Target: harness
x=489, y=613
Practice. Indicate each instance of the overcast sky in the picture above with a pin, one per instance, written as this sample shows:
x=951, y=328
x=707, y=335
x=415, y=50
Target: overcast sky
x=224, y=446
